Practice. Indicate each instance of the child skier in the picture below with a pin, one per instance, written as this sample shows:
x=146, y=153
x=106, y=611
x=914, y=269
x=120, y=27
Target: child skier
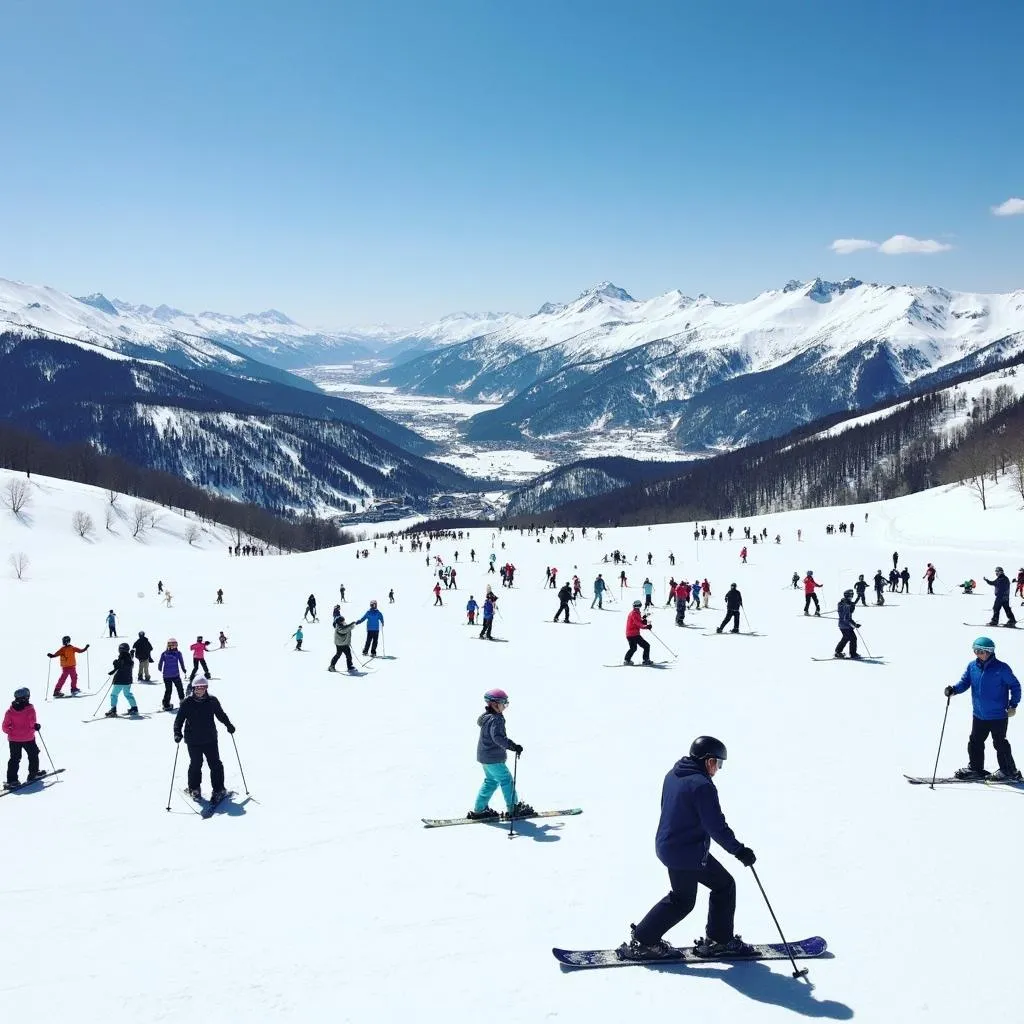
x=68, y=668
x=122, y=682
x=171, y=666
x=199, y=649
x=342, y=643
x=471, y=607
x=223, y=640
x=297, y=637
x=492, y=752
x=20, y=728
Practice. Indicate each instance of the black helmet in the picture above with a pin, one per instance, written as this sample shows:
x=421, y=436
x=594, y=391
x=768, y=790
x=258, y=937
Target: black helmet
x=707, y=746
x=999, y=568
x=637, y=604
x=810, y=572
x=65, y=639
x=847, y=593
x=21, y=693
x=861, y=576
x=122, y=648
x=141, y=634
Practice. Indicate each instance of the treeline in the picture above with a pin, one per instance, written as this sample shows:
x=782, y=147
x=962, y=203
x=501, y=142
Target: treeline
x=28, y=453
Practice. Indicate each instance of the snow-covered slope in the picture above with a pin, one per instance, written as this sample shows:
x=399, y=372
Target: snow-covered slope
x=319, y=896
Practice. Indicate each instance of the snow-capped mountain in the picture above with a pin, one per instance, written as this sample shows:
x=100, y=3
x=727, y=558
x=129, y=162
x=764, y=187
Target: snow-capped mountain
x=717, y=374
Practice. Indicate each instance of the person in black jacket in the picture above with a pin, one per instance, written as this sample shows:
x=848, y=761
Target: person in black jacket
x=691, y=817
x=564, y=597
x=143, y=651
x=733, y=604
x=122, y=682
x=1002, y=602
x=195, y=717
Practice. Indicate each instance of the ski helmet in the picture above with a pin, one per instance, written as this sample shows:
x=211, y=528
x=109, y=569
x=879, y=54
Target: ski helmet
x=122, y=648
x=637, y=604
x=142, y=634
x=847, y=593
x=983, y=643
x=810, y=572
x=496, y=696
x=999, y=568
x=707, y=746
x=171, y=640
x=65, y=639
x=201, y=681
x=22, y=693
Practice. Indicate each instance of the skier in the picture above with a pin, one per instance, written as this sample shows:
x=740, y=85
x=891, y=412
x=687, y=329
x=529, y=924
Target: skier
x=20, y=728
x=492, y=752
x=635, y=622
x=695, y=594
x=847, y=626
x=471, y=608
x=929, y=575
x=1019, y=589
x=223, y=640
x=743, y=554
x=335, y=614
x=861, y=587
x=342, y=643
x=122, y=682
x=810, y=584
x=564, y=597
x=796, y=580
x=691, y=817
x=171, y=666
x=111, y=623
x=143, y=651
x=391, y=595
x=895, y=559
x=995, y=694
x=374, y=620
x=341, y=593
x=297, y=637
x=220, y=596
x=905, y=580
x=68, y=665
x=733, y=604
x=437, y=595
x=968, y=586
x=310, y=609
x=159, y=586
x=195, y=722
x=168, y=598
x=553, y=581
x=488, y=617
x=682, y=600
x=199, y=649
x=1002, y=588
x=622, y=580
x=577, y=589
x=894, y=579
x=599, y=588
x=705, y=591
x=648, y=587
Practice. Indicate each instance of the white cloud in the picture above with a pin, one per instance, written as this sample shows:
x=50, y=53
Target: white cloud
x=899, y=245
x=1009, y=208
x=843, y=246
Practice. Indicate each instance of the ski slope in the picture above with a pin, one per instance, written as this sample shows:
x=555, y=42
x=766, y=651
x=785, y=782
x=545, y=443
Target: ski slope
x=320, y=897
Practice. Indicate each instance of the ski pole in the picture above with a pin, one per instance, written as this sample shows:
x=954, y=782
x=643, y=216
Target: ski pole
x=515, y=795
x=663, y=644
x=797, y=972
x=102, y=696
x=935, y=770
x=39, y=733
x=174, y=770
x=88, y=668
x=241, y=771
x=865, y=643
x=49, y=669
x=745, y=619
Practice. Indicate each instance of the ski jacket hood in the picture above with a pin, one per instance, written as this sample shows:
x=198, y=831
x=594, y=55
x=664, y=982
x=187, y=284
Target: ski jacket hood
x=993, y=688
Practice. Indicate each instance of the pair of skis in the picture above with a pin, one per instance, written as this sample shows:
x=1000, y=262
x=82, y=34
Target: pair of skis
x=802, y=950
x=207, y=808
x=32, y=782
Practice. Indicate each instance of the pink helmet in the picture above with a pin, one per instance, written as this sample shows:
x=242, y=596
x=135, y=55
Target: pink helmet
x=496, y=696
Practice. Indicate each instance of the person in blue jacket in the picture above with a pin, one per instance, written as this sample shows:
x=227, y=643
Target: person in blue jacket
x=847, y=626
x=599, y=588
x=995, y=694
x=691, y=817
x=1002, y=601
x=374, y=619
x=488, y=617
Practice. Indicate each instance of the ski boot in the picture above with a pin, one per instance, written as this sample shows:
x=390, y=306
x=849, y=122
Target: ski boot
x=167, y=707
x=11, y=785
x=969, y=774
x=709, y=949
x=521, y=810
x=1001, y=776
x=637, y=950
x=75, y=693
x=838, y=654
x=133, y=711
x=483, y=815
x=719, y=630
x=195, y=794
x=216, y=797
x=37, y=774
x=112, y=713
x=331, y=668
x=57, y=695
x=857, y=657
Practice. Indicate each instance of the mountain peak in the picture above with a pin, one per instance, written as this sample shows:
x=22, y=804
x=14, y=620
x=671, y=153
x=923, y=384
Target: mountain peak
x=609, y=291
x=98, y=301
x=268, y=316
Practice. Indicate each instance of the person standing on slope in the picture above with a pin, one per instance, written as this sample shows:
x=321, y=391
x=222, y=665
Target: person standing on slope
x=733, y=604
x=743, y=554
x=471, y=609
x=1019, y=588
x=599, y=588
x=492, y=752
x=564, y=597
x=847, y=626
x=705, y=590
x=171, y=666
x=929, y=575
x=691, y=816
x=682, y=600
x=20, y=728
x=695, y=593
x=195, y=723
x=297, y=636
x=810, y=585
x=111, y=623
x=795, y=580
x=122, y=682
x=648, y=588
x=895, y=559
x=374, y=620
x=635, y=622
x=310, y=611
x=342, y=643
x=488, y=617
x=905, y=580
x=143, y=651
x=199, y=649
x=437, y=595
x=879, y=581
x=861, y=587
x=68, y=665
x=995, y=694
x=1002, y=602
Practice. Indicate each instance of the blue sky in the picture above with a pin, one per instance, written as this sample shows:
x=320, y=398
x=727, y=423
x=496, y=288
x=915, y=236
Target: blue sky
x=351, y=162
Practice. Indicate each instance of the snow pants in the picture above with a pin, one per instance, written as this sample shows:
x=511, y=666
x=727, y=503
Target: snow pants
x=682, y=898
x=879, y=596
x=598, y=599
x=1002, y=604
x=808, y=598
x=635, y=642
x=562, y=606
x=496, y=775
x=170, y=681
x=67, y=673
x=981, y=729
x=338, y=652
x=680, y=611
x=117, y=690
x=734, y=615
x=485, y=630
x=196, y=662
x=32, y=749
x=196, y=753
x=370, y=647
x=144, y=664
x=849, y=637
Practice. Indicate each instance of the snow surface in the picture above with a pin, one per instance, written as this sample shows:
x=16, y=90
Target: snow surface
x=321, y=897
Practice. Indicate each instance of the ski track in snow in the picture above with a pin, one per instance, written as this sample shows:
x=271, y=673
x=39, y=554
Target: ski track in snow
x=322, y=897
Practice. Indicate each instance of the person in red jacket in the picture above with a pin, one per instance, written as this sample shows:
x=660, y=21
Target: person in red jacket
x=929, y=575
x=437, y=595
x=743, y=554
x=635, y=622
x=810, y=584
x=20, y=728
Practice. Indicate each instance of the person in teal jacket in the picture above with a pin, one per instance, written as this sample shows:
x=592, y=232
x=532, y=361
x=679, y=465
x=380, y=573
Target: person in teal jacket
x=995, y=694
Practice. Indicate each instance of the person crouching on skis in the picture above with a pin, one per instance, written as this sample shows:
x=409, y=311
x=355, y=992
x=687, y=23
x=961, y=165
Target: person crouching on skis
x=492, y=752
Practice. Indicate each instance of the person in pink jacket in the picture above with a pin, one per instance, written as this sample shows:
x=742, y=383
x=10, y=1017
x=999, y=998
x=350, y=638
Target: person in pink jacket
x=199, y=649
x=20, y=728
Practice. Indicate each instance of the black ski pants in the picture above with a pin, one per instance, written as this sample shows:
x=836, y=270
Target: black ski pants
x=680, y=611
x=168, y=683
x=849, y=637
x=1002, y=604
x=338, y=652
x=562, y=606
x=635, y=642
x=370, y=647
x=485, y=630
x=32, y=749
x=732, y=614
x=682, y=898
x=861, y=599
x=980, y=731
x=196, y=753
x=879, y=595
x=196, y=662
x=808, y=598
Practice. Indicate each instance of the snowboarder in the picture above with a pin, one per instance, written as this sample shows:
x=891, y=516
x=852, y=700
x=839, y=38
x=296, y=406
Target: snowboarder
x=297, y=636
x=143, y=651
x=122, y=682
x=20, y=728
x=635, y=622
x=199, y=649
x=564, y=597
x=172, y=667
x=648, y=587
x=599, y=588
x=374, y=620
x=342, y=643
x=861, y=587
x=471, y=607
x=111, y=623
x=488, y=617
x=733, y=604
x=310, y=611
x=879, y=581
x=995, y=694
x=68, y=665
x=929, y=575
x=847, y=626
x=691, y=817
x=810, y=584
x=195, y=723
x=1002, y=602
x=492, y=752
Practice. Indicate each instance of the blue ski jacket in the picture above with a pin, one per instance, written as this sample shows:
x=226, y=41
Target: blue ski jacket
x=599, y=585
x=691, y=817
x=1002, y=585
x=373, y=618
x=488, y=609
x=993, y=686
x=845, y=609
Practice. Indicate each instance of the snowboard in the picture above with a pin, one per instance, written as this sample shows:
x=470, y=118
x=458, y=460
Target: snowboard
x=445, y=822
x=638, y=664
x=38, y=778
x=952, y=780
x=802, y=950
x=878, y=659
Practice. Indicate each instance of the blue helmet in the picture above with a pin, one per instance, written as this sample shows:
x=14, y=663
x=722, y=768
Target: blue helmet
x=983, y=643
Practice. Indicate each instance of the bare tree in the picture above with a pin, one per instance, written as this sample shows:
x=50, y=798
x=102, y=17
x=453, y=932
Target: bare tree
x=16, y=495
x=193, y=534
x=113, y=497
x=19, y=563
x=109, y=517
x=971, y=465
x=140, y=519
x=82, y=524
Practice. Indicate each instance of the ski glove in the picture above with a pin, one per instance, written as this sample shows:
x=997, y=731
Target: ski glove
x=1010, y=712
x=516, y=748
x=230, y=729
x=745, y=855
x=39, y=728
x=948, y=691
x=177, y=737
